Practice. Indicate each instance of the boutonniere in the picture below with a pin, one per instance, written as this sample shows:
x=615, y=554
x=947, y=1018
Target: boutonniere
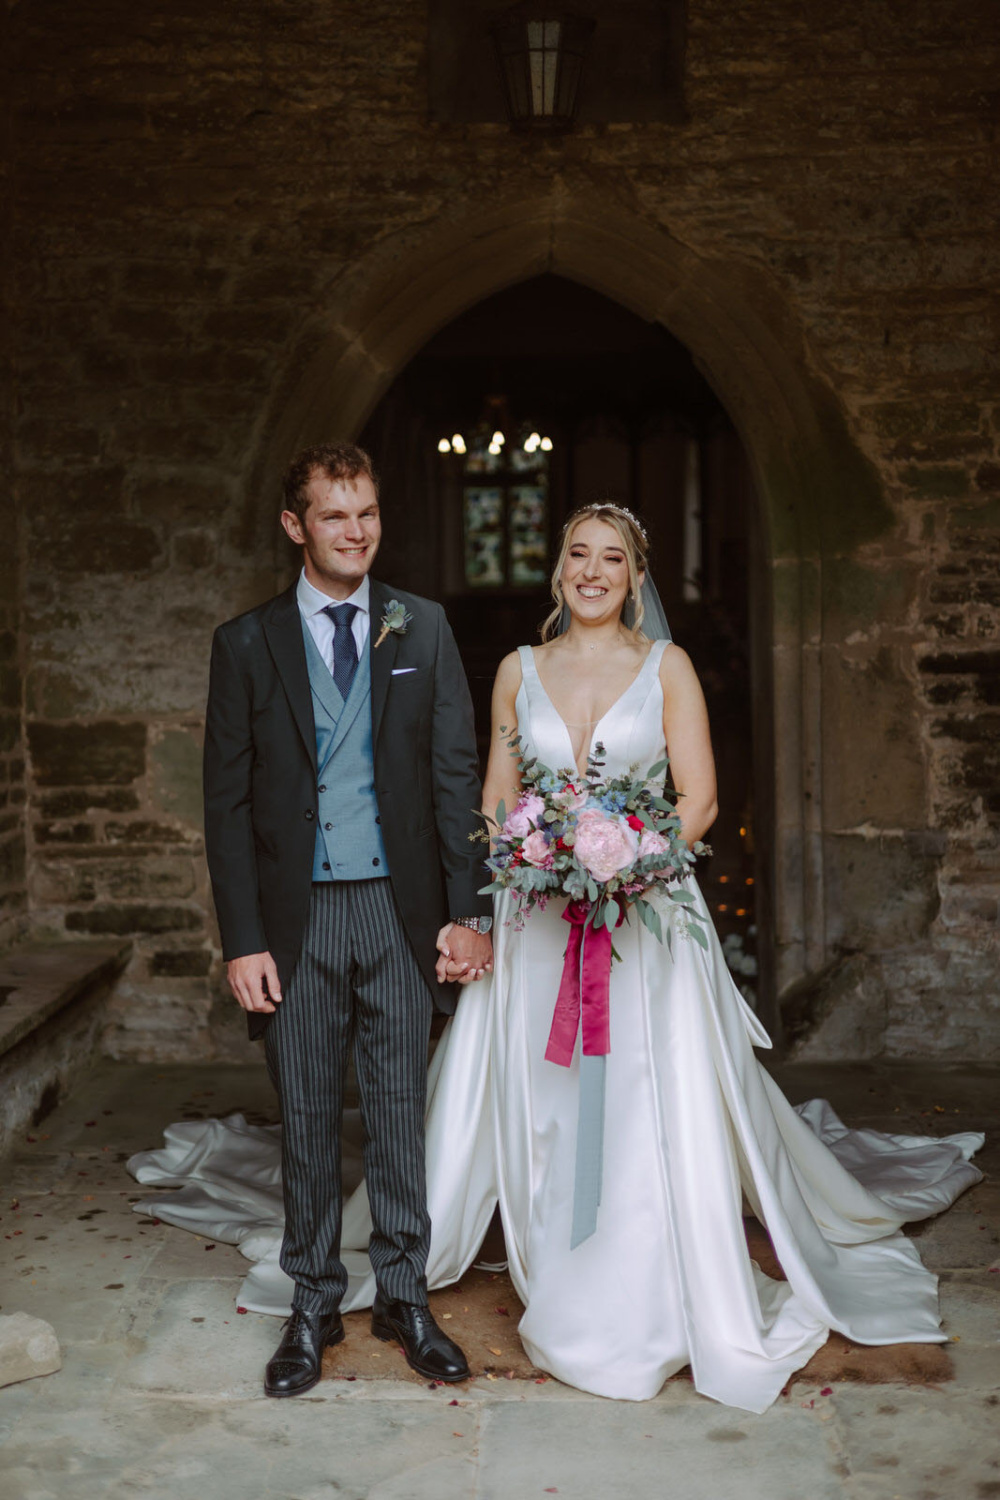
x=394, y=621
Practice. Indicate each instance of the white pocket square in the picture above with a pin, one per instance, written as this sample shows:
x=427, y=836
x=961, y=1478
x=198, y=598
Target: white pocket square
x=401, y=671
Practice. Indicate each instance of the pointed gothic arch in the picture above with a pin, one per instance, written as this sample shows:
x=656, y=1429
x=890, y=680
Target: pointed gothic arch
x=818, y=496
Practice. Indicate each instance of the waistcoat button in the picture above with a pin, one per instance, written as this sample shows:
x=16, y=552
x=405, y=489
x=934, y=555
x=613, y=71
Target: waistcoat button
x=309, y=814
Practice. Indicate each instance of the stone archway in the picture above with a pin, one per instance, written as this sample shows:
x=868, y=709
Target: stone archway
x=818, y=496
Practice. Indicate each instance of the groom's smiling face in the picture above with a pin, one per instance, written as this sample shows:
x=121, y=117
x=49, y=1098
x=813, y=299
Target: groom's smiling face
x=339, y=534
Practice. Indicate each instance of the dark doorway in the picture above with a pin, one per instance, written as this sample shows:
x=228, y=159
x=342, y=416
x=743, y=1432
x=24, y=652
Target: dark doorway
x=592, y=402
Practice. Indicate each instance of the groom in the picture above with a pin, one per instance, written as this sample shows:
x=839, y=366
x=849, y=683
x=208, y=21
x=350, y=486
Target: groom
x=340, y=788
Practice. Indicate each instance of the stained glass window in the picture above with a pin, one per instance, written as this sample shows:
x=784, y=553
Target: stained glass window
x=506, y=522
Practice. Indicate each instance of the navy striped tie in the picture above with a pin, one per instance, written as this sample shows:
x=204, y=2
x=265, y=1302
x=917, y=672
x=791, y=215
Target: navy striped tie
x=345, y=647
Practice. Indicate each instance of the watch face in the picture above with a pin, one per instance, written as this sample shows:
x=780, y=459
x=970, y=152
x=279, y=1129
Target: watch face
x=485, y=924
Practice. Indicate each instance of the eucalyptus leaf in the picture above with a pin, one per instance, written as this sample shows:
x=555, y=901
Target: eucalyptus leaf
x=685, y=898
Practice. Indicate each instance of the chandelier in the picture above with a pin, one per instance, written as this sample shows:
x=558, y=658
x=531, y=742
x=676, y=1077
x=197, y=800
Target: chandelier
x=496, y=431
x=531, y=442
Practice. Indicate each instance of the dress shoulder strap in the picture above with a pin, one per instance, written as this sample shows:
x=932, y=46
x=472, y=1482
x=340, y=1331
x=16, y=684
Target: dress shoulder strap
x=656, y=651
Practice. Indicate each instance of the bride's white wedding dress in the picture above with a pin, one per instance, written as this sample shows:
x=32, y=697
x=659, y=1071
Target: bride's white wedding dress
x=693, y=1123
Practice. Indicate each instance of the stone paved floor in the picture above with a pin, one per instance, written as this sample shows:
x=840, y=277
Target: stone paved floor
x=160, y=1397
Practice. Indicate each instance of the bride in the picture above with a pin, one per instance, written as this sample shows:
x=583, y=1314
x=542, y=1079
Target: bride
x=694, y=1126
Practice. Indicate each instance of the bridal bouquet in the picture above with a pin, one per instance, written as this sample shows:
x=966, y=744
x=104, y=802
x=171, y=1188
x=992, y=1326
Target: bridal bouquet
x=605, y=844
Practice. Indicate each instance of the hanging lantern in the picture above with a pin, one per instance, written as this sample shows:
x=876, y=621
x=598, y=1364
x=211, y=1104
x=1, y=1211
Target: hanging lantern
x=540, y=49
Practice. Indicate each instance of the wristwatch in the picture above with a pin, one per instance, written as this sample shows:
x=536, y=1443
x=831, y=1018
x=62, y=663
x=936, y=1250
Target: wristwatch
x=474, y=924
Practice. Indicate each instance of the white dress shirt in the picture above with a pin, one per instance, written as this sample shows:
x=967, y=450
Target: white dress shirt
x=312, y=602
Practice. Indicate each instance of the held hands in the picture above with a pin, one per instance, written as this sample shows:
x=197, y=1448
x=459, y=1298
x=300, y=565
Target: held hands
x=464, y=955
x=254, y=981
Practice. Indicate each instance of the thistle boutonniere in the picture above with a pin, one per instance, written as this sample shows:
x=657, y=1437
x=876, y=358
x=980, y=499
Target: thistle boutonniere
x=394, y=621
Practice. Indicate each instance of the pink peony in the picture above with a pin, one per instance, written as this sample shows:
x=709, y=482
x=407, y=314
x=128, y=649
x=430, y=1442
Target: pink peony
x=651, y=842
x=536, y=851
x=525, y=816
x=604, y=845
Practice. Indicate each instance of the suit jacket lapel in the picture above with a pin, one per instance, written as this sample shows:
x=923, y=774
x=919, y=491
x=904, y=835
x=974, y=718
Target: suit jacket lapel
x=382, y=660
x=283, y=633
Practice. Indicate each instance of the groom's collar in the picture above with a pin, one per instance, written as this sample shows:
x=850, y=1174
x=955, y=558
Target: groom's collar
x=312, y=601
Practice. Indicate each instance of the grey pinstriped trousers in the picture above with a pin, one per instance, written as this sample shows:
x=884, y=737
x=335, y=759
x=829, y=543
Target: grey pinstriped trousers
x=356, y=983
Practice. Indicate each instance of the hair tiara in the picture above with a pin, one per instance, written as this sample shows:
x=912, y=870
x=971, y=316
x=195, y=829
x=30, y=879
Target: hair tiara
x=619, y=510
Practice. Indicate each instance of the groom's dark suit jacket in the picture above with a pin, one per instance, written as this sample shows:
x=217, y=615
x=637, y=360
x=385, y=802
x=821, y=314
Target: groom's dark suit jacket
x=261, y=785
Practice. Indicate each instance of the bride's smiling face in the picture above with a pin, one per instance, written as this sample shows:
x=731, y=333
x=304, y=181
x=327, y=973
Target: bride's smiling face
x=594, y=577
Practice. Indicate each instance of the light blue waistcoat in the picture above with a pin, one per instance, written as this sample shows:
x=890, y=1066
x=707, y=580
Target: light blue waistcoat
x=348, y=837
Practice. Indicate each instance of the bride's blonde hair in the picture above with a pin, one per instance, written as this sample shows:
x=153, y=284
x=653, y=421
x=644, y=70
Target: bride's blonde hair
x=635, y=545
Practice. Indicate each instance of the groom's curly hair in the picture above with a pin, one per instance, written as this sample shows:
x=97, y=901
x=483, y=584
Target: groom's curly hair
x=334, y=460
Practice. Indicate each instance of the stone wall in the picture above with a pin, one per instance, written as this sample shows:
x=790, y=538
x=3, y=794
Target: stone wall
x=206, y=197
x=13, y=886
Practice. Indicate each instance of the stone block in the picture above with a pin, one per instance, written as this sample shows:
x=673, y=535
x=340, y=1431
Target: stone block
x=248, y=326
x=977, y=662
x=108, y=546
x=178, y=499
x=84, y=754
x=28, y=1347
x=13, y=860
x=51, y=497
x=165, y=282
x=64, y=833
x=56, y=693
x=194, y=550
x=71, y=803
x=881, y=891
x=181, y=963
x=10, y=732
x=873, y=766
x=856, y=597
x=62, y=881
x=10, y=687
x=147, y=325
x=839, y=1014
x=176, y=767
x=40, y=438
x=935, y=481
x=143, y=831
x=140, y=917
x=148, y=878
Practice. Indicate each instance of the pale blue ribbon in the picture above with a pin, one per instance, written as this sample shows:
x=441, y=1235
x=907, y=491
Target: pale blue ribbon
x=589, y=1176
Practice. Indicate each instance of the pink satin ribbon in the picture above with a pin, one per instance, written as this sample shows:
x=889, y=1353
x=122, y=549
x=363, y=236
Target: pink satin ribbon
x=584, y=990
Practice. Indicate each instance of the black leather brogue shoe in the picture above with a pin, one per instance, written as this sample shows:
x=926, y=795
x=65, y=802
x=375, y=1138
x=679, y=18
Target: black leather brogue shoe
x=298, y=1360
x=428, y=1350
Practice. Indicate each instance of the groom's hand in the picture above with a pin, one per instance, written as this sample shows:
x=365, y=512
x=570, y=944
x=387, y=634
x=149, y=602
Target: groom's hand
x=254, y=981
x=464, y=955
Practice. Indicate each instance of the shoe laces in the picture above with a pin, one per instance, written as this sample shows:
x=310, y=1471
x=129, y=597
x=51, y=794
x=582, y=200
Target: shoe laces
x=298, y=1323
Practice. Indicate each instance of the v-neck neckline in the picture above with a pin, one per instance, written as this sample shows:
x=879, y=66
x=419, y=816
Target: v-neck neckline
x=597, y=724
